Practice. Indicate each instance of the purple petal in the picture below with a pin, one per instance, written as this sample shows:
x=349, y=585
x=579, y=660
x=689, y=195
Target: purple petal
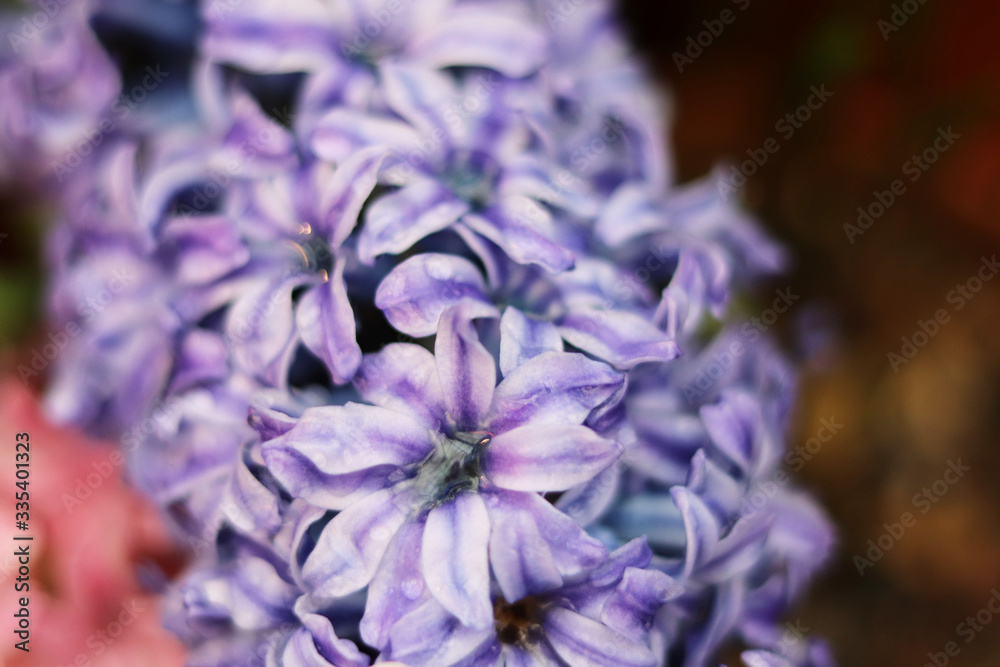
x=533, y=545
x=351, y=546
x=736, y=427
x=552, y=388
x=249, y=505
x=342, y=132
x=326, y=324
x=349, y=438
x=632, y=211
x=397, y=587
x=421, y=96
x=523, y=337
x=484, y=35
x=634, y=603
x=272, y=415
x=345, y=193
x=206, y=248
x=273, y=147
x=700, y=527
x=268, y=37
x=404, y=378
x=260, y=328
x=621, y=338
x=302, y=478
x=455, y=562
x=416, y=292
x=589, y=501
x=430, y=636
x=316, y=644
x=466, y=369
x=547, y=457
x=203, y=357
x=583, y=642
x=513, y=226
x=396, y=221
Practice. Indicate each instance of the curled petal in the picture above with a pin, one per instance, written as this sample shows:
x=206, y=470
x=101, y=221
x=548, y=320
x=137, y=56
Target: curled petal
x=416, y=292
x=621, y=338
x=325, y=321
x=514, y=227
x=346, y=191
x=397, y=220
x=315, y=644
x=552, y=388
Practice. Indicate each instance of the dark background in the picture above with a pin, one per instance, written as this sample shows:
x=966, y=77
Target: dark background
x=890, y=98
x=940, y=69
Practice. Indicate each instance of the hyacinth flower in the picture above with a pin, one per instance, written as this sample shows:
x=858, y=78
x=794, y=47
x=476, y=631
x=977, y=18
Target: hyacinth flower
x=467, y=457
x=341, y=47
x=315, y=302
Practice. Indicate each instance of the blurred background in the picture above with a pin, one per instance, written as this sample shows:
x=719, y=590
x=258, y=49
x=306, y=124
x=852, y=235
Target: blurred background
x=886, y=81
x=893, y=90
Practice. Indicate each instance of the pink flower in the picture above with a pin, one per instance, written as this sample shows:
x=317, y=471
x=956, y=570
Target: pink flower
x=85, y=603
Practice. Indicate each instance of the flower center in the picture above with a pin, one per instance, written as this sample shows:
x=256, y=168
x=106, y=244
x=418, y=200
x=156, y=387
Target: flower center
x=519, y=622
x=453, y=467
x=472, y=176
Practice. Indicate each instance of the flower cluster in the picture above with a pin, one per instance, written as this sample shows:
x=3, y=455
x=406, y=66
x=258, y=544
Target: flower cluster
x=403, y=321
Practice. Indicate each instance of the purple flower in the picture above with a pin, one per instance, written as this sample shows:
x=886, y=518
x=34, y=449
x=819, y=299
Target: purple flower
x=340, y=42
x=460, y=460
x=462, y=159
x=407, y=354
x=242, y=607
x=601, y=618
x=578, y=303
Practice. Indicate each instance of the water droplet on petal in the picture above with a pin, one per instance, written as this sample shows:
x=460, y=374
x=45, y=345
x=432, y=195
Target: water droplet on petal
x=412, y=588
